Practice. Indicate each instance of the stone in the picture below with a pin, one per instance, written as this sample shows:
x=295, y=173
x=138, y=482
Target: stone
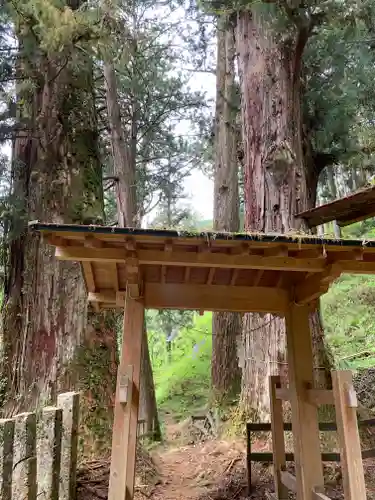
x=69, y=403
x=48, y=451
x=24, y=459
x=6, y=458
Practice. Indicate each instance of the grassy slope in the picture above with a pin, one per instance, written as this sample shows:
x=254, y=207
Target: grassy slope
x=349, y=321
x=182, y=387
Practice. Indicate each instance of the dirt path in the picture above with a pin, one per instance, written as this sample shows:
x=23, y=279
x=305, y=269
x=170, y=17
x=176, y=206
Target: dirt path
x=199, y=471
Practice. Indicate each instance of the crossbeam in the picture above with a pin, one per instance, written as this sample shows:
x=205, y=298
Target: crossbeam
x=313, y=396
x=202, y=297
x=289, y=481
x=193, y=259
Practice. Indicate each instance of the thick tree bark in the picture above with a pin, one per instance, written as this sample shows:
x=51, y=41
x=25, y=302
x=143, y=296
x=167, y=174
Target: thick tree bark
x=333, y=192
x=56, y=177
x=275, y=186
x=123, y=163
x=226, y=327
x=124, y=159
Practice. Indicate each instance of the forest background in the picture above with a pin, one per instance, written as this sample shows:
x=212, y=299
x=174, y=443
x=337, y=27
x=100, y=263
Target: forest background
x=132, y=112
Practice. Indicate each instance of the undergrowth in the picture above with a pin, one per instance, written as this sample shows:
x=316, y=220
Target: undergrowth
x=182, y=386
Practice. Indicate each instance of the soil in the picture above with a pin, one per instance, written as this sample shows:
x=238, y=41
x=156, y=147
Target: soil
x=210, y=470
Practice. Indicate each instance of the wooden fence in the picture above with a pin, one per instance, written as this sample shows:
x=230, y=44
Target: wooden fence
x=343, y=397
x=266, y=457
x=38, y=452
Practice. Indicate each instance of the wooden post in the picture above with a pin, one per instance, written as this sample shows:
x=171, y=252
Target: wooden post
x=347, y=430
x=6, y=458
x=309, y=470
x=124, y=439
x=248, y=459
x=48, y=450
x=278, y=442
x=69, y=404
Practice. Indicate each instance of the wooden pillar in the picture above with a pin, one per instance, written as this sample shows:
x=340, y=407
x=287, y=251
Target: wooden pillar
x=347, y=429
x=309, y=470
x=278, y=441
x=124, y=438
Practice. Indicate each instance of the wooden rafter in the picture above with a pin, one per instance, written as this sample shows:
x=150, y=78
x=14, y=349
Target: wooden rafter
x=234, y=277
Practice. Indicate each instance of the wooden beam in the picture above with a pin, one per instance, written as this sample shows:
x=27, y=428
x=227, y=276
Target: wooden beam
x=361, y=216
x=234, y=277
x=210, y=259
x=130, y=244
x=114, y=274
x=84, y=254
x=163, y=274
x=121, y=481
x=312, y=288
x=211, y=275
x=347, y=429
x=90, y=281
x=277, y=251
x=278, y=441
x=133, y=279
x=315, y=397
x=319, y=397
x=187, y=275
x=281, y=280
x=203, y=297
x=309, y=470
x=282, y=393
x=89, y=276
x=55, y=240
x=216, y=298
x=193, y=259
x=289, y=481
x=258, y=277
x=106, y=296
x=318, y=495
x=92, y=242
x=357, y=266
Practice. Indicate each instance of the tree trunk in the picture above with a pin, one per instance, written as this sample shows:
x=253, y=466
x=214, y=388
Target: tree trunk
x=147, y=394
x=168, y=339
x=123, y=164
x=124, y=159
x=226, y=327
x=56, y=177
x=275, y=186
x=333, y=191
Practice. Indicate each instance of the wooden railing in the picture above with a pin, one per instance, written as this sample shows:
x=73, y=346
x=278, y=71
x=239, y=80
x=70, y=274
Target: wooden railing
x=344, y=399
x=266, y=457
x=38, y=452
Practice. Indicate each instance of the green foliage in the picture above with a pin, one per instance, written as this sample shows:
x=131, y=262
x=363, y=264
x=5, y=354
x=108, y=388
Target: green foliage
x=183, y=386
x=157, y=102
x=338, y=88
x=348, y=315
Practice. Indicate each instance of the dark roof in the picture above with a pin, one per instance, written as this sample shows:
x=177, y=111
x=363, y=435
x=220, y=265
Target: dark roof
x=299, y=238
x=353, y=208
